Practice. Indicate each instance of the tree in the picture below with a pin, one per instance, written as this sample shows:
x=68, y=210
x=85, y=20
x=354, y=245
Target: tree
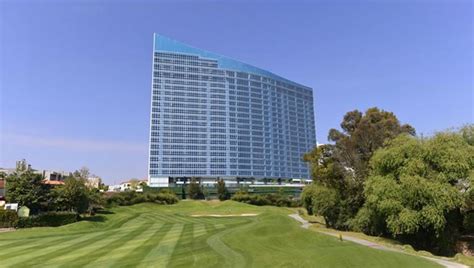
x=82, y=173
x=26, y=189
x=323, y=201
x=343, y=166
x=96, y=201
x=194, y=190
x=362, y=135
x=73, y=195
x=467, y=133
x=416, y=189
x=222, y=191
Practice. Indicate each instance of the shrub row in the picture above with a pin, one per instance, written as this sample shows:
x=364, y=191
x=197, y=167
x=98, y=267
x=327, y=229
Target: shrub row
x=8, y=218
x=51, y=219
x=131, y=198
x=266, y=199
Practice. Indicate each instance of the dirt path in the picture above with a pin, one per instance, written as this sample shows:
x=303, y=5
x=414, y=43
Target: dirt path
x=445, y=263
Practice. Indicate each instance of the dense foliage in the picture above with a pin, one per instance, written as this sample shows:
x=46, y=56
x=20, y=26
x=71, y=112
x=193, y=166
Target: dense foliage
x=51, y=219
x=416, y=191
x=72, y=196
x=380, y=179
x=274, y=199
x=8, y=218
x=52, y=205
x=342, y=167
x=222, y=191
x=195, y=190
x=130, y=198
x=27, y=189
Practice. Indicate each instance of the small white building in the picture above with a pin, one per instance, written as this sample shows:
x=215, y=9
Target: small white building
x=132, y=185
x=11, y=206
x=93, y=182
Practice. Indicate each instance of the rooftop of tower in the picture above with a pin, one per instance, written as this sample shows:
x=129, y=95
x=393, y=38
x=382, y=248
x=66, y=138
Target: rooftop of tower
x=163, y=43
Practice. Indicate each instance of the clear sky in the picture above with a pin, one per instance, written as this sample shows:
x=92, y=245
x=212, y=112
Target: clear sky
x=75, y=78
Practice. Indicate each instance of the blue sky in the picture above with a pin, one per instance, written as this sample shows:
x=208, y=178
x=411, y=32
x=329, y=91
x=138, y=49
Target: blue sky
x=75, y=78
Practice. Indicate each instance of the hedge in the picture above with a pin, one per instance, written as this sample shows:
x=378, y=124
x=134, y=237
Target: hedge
x=131, y=198
x=8, y=218
x=279, y=200
x=51, y=219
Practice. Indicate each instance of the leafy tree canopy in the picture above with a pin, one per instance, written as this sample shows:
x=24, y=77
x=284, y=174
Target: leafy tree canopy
x=73, y=195
x=195, y=190
x=343, y=166
x=27, y=189
x=222, y=191
x=417, y=187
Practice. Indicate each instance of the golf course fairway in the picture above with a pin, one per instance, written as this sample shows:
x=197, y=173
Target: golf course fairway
x=190, y=234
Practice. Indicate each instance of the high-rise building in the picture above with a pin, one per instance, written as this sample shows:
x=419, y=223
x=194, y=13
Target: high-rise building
x=213, y=116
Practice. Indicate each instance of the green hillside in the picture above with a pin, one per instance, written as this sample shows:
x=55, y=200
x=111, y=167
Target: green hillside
x=149, y=235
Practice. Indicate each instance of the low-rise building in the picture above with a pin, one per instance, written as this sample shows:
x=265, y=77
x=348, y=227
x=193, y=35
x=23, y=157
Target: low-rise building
x=52, y=177
x=49, y=177
x=93, y=182
x=7, y=171
x=131, y=185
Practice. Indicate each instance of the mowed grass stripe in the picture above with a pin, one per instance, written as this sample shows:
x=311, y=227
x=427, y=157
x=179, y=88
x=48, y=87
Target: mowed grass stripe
x=193, y=251
x=210, y=228
x=232, y=257
x=91, y=248
x=105, y=248
x=83, y=249
x=151, y=217
x=38, y=243
x=219, y=226
x=23, y=243
x=161, y=254
x=260, y=241
x=21, y=247
x=111, y=258
x=136, y=256
x=45, y=249
x=183, y=219
x=101, y=237
x=168, y=218
x=183, y=255
x=189, y=219
x=199, y=230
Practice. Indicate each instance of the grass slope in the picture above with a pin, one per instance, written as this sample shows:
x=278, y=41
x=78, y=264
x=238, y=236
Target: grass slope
x=149, y=235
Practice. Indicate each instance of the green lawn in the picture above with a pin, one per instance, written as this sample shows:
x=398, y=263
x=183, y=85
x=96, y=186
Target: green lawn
x=149, y=235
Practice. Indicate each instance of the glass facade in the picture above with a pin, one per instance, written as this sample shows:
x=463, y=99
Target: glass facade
x=212, y=116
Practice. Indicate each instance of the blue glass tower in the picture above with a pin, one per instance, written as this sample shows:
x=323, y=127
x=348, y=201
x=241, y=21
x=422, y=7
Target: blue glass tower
x=212, y=116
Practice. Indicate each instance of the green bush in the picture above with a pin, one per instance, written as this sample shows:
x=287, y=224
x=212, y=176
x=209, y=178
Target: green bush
x=278, y=200
x=130, y=198
x=222, y=191
x=8, y=218
x=195, y=190
x=468, y=223
x=51, y=219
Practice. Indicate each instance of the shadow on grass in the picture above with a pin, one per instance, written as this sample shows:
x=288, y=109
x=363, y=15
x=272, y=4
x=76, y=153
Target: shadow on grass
x=105, y=212
x=98, y=217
